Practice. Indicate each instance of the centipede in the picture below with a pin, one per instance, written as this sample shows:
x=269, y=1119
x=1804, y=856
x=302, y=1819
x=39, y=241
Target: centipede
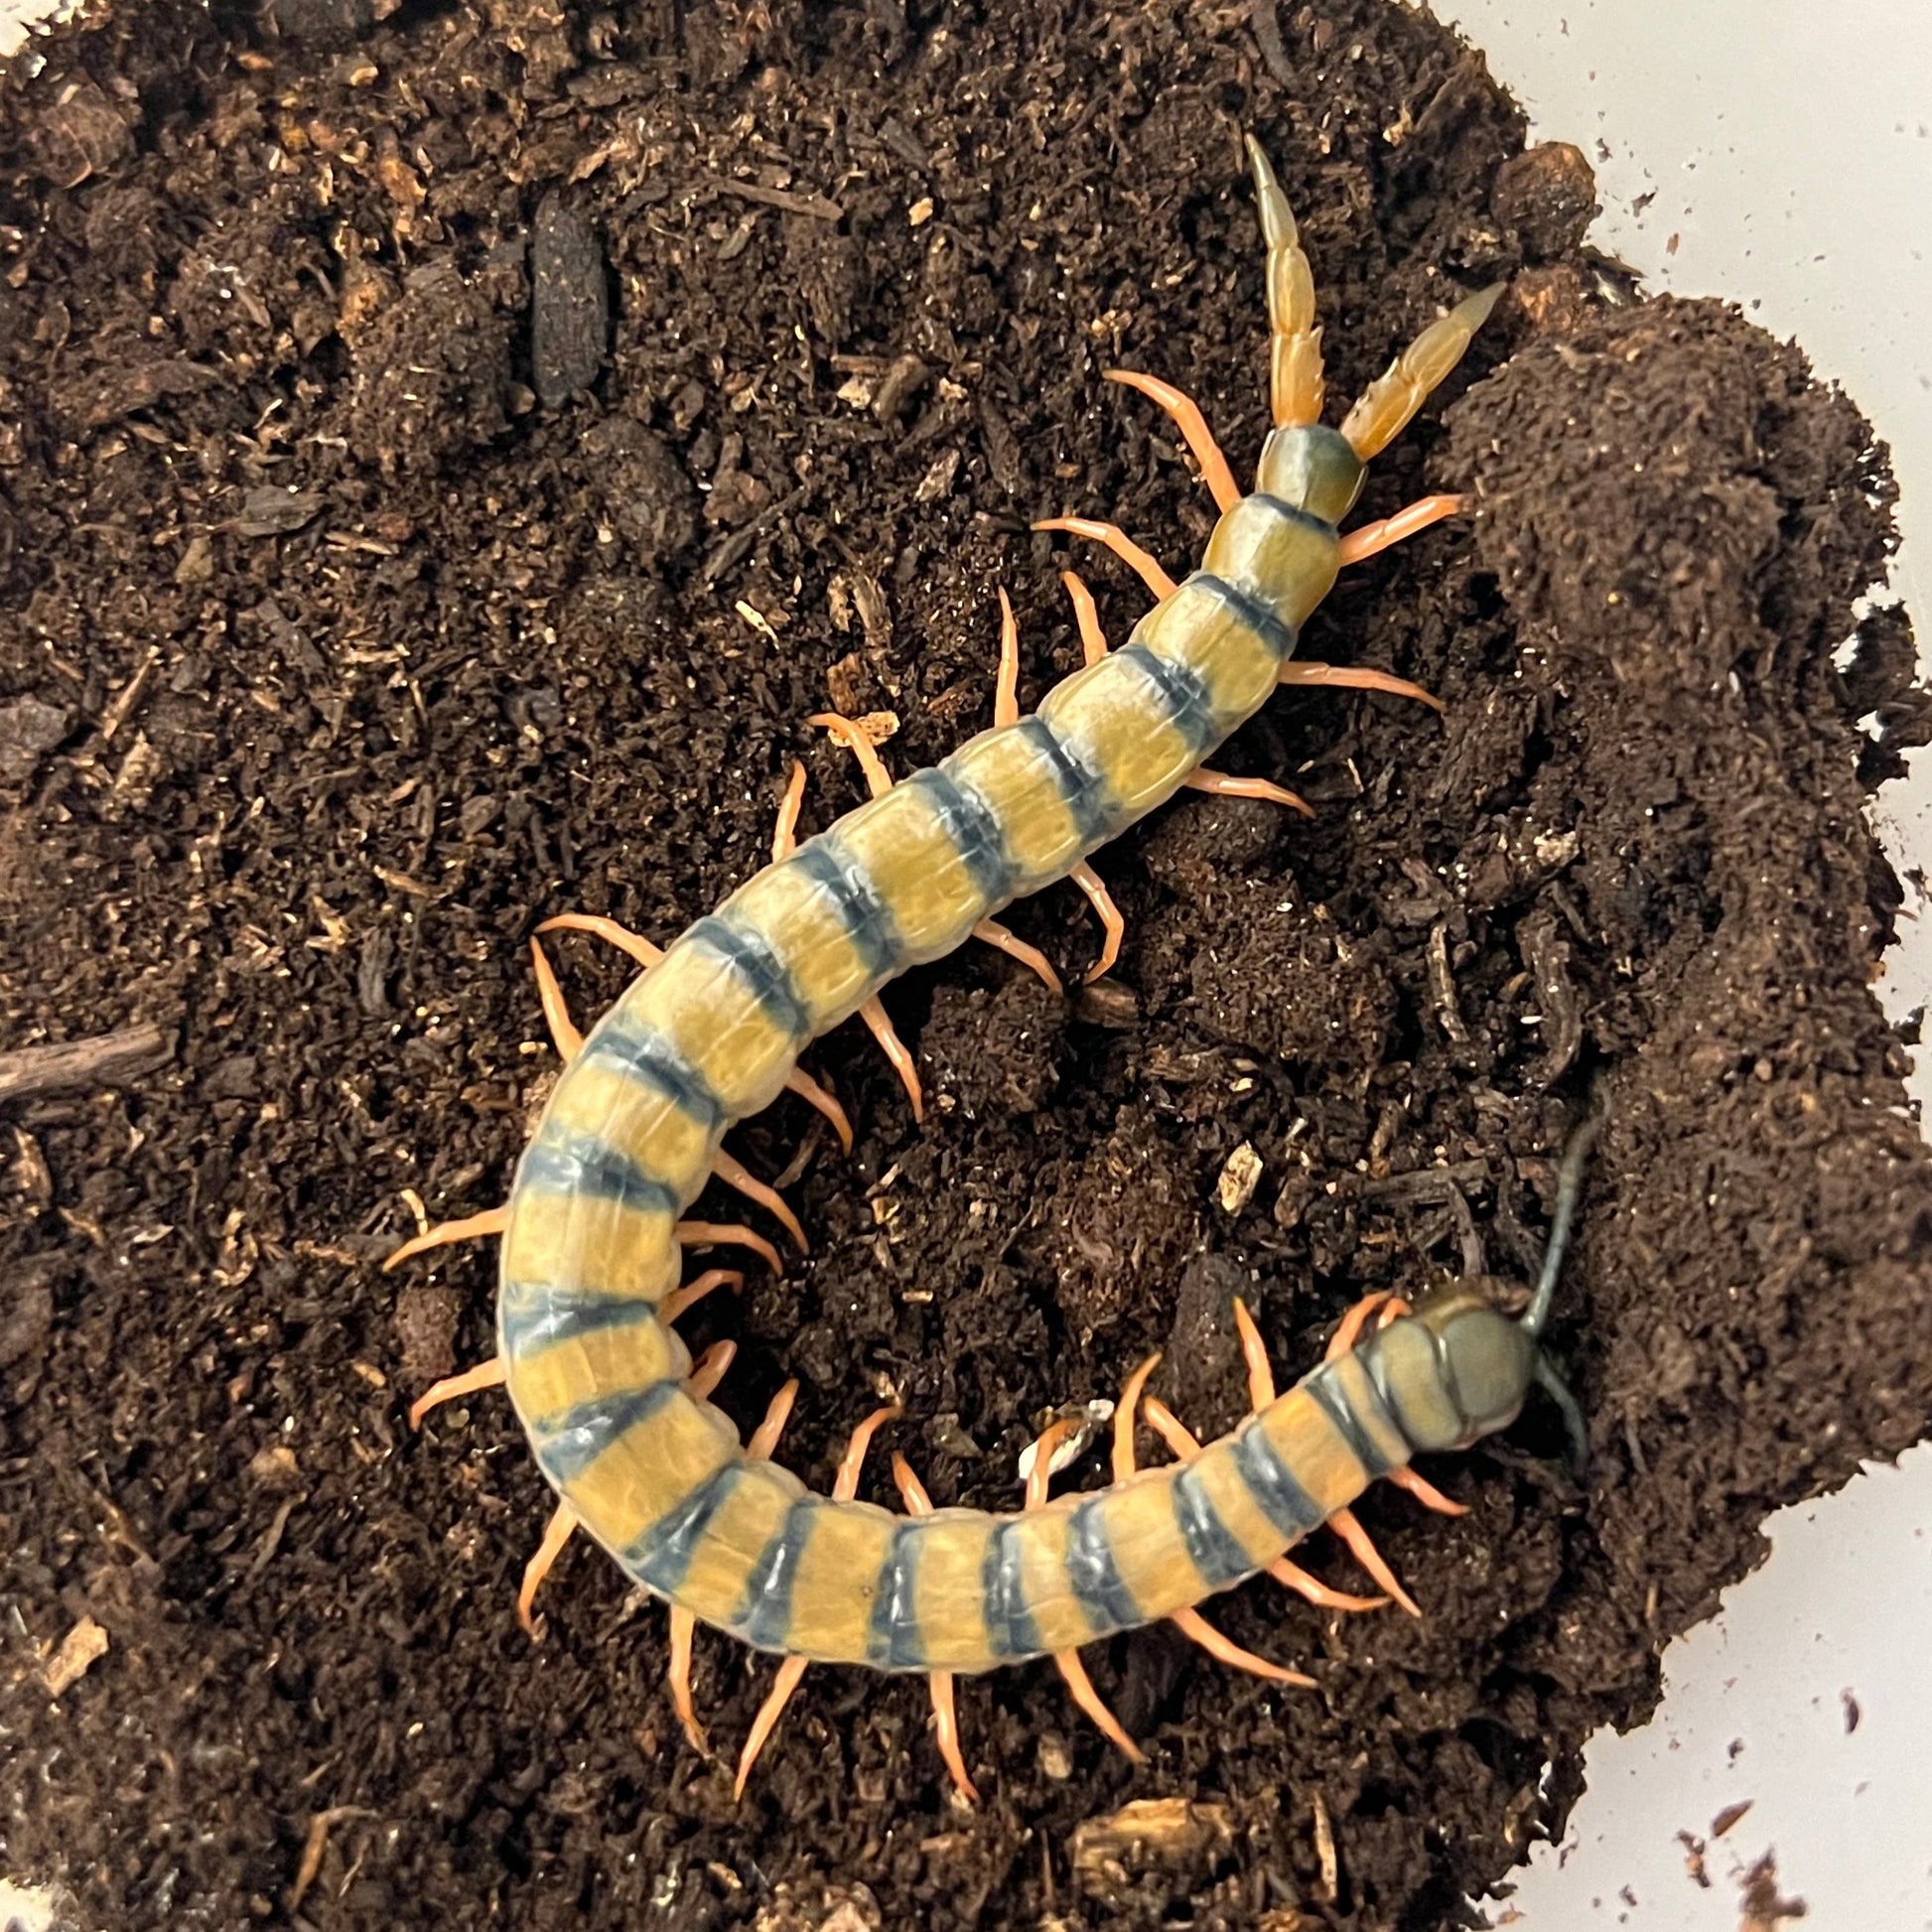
x=593, y=1236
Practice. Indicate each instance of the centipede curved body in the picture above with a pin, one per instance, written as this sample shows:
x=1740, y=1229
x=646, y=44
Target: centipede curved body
x=711, y=1032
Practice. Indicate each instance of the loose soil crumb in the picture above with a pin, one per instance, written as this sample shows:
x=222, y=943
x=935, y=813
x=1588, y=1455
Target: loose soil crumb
x=443, y=460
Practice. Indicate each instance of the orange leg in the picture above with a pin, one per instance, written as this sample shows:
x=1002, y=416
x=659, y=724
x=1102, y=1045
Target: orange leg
x=767, y=1720
x=709, y=1369
x=1005, y=683
x=556, y=1534
x=1224, y=786
x=692, y=1292
x=1192, y=425
x=784, y=834
x=1352, y=677
x=821, y=1101
x=1121, y=544
x=1345, y=1524
x=1293, y=1577
x=564, y=1030
x=878, y=1021
x=939, y=1682
x=716, y=1234
x=845, y=1487
x=1224, y=1650
x=488, y=1375
x=1112, y=923
x=493, y=1220
x=1373, y=538
x=1093, y=640
x=1426, y=1493
x=684, y=1625
x=1351, y=1325
x=1254, y=1353
x=1002, y=939
x=764, y=1438
x=735, y=1174
x=626, y=941
x=645, y=954
x=1124, y=1415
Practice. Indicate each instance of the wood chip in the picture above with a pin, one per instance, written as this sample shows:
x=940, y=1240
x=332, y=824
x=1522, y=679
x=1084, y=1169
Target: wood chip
x=569, y=303
x=1329, y=1887
x=105, y=1061
x=81, y=1649
x=1240, y=1177
x=1170, y=1833
x=816, y=206
x=1729, y=1816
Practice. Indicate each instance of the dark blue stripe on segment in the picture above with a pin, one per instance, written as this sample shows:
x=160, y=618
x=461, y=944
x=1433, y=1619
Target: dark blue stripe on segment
x=651, y=1059
x=1184, y=693
x=1095, y=1575
x=865, y=917
x=539, y=1316
x=560, y=1163
x=763, y=1617
x=754, y=961
x=1283, y=1500
x=1293, y=513
x=1271, y=632
x=1084, y=792
x=974, y=829
x=660, y=1557
x=568, y=1444
x=893, y=1642
x=1217, y=1555
x=1339, y=1411
x=1009, y=1628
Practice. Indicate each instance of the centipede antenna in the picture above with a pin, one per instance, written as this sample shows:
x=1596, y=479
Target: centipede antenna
x=1295, y=387
x=1569, y=1189
x=1558, y=1390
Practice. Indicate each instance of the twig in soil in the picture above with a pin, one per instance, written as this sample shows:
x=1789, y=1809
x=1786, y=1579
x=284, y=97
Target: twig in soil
x=105, y=1061
x=738, y=546
x=1329, y=1889
x=815, y=206
x=1268, y=37
x=129, y=696
x=1423, y=1184
x=1442, y=985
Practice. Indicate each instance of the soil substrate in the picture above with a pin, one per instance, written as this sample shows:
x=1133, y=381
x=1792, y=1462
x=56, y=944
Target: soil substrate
x=443, y=462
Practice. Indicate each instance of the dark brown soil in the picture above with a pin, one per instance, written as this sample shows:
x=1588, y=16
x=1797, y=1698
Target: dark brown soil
x=354, y=618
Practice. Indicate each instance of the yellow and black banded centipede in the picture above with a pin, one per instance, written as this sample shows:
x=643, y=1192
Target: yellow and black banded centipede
x=594, y=1235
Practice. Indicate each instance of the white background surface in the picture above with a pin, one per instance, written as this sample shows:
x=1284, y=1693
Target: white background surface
x=1789, y=152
